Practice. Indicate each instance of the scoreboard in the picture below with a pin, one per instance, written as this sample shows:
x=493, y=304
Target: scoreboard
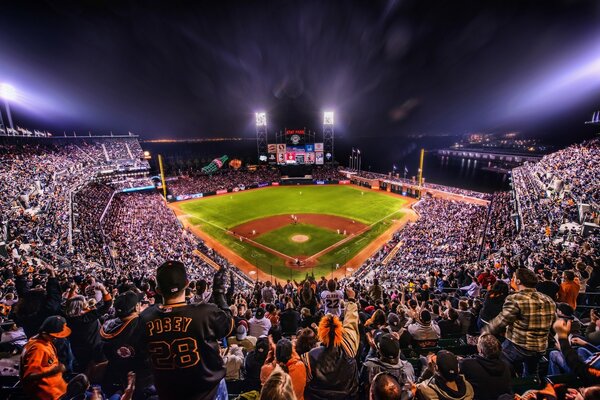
x=295, y=150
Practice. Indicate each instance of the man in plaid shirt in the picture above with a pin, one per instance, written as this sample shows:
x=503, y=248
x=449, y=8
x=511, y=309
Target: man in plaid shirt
x=525, y=320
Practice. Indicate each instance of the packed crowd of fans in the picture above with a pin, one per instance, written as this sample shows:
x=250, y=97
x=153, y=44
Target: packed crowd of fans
x=227, y=179
x=327, y=173
x=459, y=305
x=403, y=181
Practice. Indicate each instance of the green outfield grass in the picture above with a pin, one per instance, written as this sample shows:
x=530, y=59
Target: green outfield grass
x=281, y=239
x=214, y=215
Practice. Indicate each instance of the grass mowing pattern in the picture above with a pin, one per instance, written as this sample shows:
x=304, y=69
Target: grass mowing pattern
x=345, y=201
x=226, y=211
x=281, y=239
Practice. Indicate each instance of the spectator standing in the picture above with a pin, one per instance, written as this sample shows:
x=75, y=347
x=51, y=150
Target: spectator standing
x=41, y=372
x=332, y=370
x=188, y=351
x=284, y=356
x=526, y=318
x=569, y=289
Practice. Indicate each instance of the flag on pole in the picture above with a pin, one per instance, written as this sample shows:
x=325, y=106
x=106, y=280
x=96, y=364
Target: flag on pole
x=353, y=151
x=405, y=170
x=394, y=167
x=358, y=151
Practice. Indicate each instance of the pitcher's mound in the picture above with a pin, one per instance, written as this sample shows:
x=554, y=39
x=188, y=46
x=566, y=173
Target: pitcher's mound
x=300, y=238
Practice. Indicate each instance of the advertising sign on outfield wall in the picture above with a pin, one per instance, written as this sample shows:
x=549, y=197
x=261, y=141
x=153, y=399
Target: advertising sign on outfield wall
x=222, y=191
x=344, y=182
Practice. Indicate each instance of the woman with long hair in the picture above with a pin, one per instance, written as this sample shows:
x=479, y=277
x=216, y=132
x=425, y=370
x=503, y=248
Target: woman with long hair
x=284, y=356
x=279, y=386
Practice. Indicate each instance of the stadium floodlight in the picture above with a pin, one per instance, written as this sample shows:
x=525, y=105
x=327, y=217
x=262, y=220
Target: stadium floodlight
x=8, y=92
x=328, y=118
x=261, y=119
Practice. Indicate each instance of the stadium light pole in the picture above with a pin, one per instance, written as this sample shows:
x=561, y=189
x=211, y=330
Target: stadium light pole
x=8, y=93
x=420, y=182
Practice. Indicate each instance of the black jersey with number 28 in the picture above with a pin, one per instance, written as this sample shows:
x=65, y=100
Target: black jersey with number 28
x=181, y=343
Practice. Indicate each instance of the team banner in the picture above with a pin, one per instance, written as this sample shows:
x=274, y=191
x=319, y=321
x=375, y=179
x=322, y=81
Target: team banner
x=272, y=148
x=310, y=148
x=319, y=147
x=319, y=158
x=310, y=158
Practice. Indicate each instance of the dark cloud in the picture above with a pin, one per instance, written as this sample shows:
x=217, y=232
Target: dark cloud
x=388, y=68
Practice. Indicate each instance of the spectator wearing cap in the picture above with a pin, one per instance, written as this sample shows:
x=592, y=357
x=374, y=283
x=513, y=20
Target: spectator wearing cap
x=289, y=320
x=118, y=336
x=446, y=382
x=525, y=320
x=84, y=321
x=259, y=325
x=254, y=362
x=395, y=324
x=569, y=289
x=242, y=339
x=192, y=329
x=387, y=359
x=424, y=331
x=284, y=356
x=332, y=370
x=41, y=372
x=489, y=375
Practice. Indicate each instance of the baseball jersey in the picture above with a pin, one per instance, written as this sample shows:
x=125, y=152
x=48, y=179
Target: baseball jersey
x=181, y=344
x=332, y=301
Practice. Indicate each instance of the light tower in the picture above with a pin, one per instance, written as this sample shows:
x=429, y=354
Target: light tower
x=261, y=134
x=595, y=119
x=328, y=136
x=8, y=93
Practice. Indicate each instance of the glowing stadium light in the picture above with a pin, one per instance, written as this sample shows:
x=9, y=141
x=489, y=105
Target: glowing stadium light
x=261, y=119
x=328, y=118
x=8, y=92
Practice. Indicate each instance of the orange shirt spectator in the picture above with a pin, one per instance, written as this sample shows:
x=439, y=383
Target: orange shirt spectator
x=41, y=371
x=290, y=362
x=569, y=289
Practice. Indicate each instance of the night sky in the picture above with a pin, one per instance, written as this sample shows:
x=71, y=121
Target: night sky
x=387, y=68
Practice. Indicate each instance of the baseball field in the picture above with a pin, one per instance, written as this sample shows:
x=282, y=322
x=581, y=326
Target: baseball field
x=288, y=231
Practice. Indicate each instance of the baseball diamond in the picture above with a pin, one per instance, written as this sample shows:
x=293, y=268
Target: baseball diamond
x=279, y=231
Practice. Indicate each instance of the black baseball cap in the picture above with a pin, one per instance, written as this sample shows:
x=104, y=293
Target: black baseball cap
x=171, y=277
x=388, y=346
x=447, y=364
x=394, y=322
x=55, y=326
x=125, y=303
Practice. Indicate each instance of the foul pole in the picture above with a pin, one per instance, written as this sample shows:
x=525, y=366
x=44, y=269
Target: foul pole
x=421, y=171
x=162, y=175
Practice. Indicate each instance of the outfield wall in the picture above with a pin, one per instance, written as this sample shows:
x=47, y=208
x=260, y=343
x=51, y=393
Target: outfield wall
x=242, y=188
